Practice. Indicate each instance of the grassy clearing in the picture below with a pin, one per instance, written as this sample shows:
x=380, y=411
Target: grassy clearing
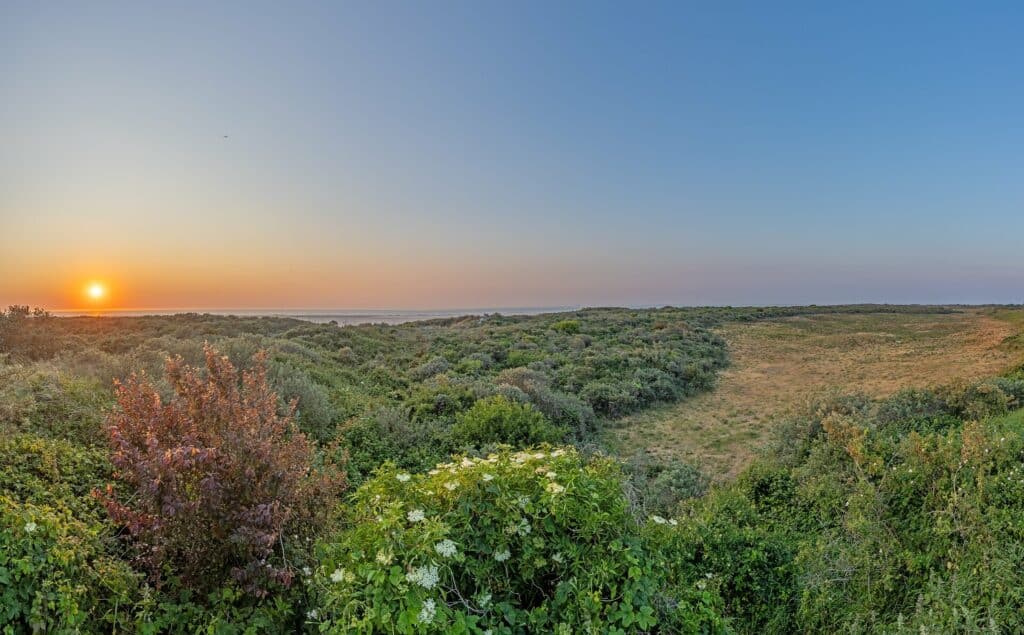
x=779, y=364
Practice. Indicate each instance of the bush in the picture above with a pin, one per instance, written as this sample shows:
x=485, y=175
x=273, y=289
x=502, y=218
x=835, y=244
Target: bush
x=977, y=401
x=570, y=327
x=41, y=400
x=536, y=541
x=54, y=473
x=216, y=476
x=496, y=420
x=313, y=410
x=610, y=399
x=388, y=435
x=661, y=487
x=55, y=574
x=561, y=409
x=435, y=366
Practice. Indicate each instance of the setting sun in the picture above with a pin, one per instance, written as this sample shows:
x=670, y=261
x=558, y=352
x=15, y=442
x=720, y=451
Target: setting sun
x=96, y=291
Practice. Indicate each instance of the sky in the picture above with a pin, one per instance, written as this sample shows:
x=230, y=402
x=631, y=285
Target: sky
x=484, y=154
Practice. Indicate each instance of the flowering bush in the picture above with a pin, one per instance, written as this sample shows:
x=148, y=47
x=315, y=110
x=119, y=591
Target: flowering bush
x=217, y=476
x=535, y=541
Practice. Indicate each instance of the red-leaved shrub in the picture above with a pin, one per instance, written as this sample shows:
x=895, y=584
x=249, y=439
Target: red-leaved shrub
x=218, y=481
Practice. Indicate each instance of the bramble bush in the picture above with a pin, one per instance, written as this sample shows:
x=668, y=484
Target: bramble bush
x=538, y=540
x=217, y=477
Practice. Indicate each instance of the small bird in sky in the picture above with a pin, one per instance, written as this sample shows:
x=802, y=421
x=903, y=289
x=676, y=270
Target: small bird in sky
x=225, y=136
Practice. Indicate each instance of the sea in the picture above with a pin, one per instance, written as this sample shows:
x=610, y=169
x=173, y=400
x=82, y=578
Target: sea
x=323, y=316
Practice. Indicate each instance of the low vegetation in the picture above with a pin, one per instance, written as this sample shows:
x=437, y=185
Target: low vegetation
x=205, y=492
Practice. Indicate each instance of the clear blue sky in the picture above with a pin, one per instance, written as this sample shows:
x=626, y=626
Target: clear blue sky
x=509, y=154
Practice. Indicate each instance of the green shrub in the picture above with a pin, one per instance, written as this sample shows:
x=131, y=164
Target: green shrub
x=42, y=400
x=561, y=409
x=53, y=472
x=313, y=411
x=536, y=541
x=55, y=574
x=435, y=366
x=570, y=327
x=663, y=486
x=977, y=401
x=610, y=399
x=496, y=420
x=389, y=435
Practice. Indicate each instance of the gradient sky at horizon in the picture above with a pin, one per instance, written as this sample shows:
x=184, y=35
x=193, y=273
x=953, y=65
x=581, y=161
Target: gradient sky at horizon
x=481, y=154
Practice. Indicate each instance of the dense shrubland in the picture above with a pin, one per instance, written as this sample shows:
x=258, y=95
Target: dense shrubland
x=208, y=497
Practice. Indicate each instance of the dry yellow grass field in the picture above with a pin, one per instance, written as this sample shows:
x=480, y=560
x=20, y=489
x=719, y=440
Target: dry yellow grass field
x=778, y=364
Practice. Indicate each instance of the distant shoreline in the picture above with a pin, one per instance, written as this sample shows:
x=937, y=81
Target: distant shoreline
x=321, y=316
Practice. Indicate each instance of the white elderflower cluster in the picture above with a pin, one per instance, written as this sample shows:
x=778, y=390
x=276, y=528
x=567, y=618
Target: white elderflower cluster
x=503, y=555
x=446, y=548
x=554, y=488
x=384, y=557
x=415, y=515
x=425, y=576
x=340, y=575
x=428, y=612
x=403, y=477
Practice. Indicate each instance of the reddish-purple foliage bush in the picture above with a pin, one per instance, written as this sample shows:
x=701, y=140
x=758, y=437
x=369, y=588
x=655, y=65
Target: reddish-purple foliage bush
x=217, y=479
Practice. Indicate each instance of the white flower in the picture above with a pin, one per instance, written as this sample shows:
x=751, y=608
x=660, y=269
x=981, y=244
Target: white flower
x=488, y=477
x=503, y=555
x=467, y=463
x=425, y=576
x=557, y=557
x=434, y=472
x=550, y=474
x=30, y=526
x=446, y=548
x=558, y=453
x=554, y=488
x=338, y=575
x=673, y=522
x=415, y=515
x=383, y=557
x=306, y=571
x=428, y=612
x=403, y=477
x=659, y=520
x=451, y=485
x=312, y=615
x=539, y=455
